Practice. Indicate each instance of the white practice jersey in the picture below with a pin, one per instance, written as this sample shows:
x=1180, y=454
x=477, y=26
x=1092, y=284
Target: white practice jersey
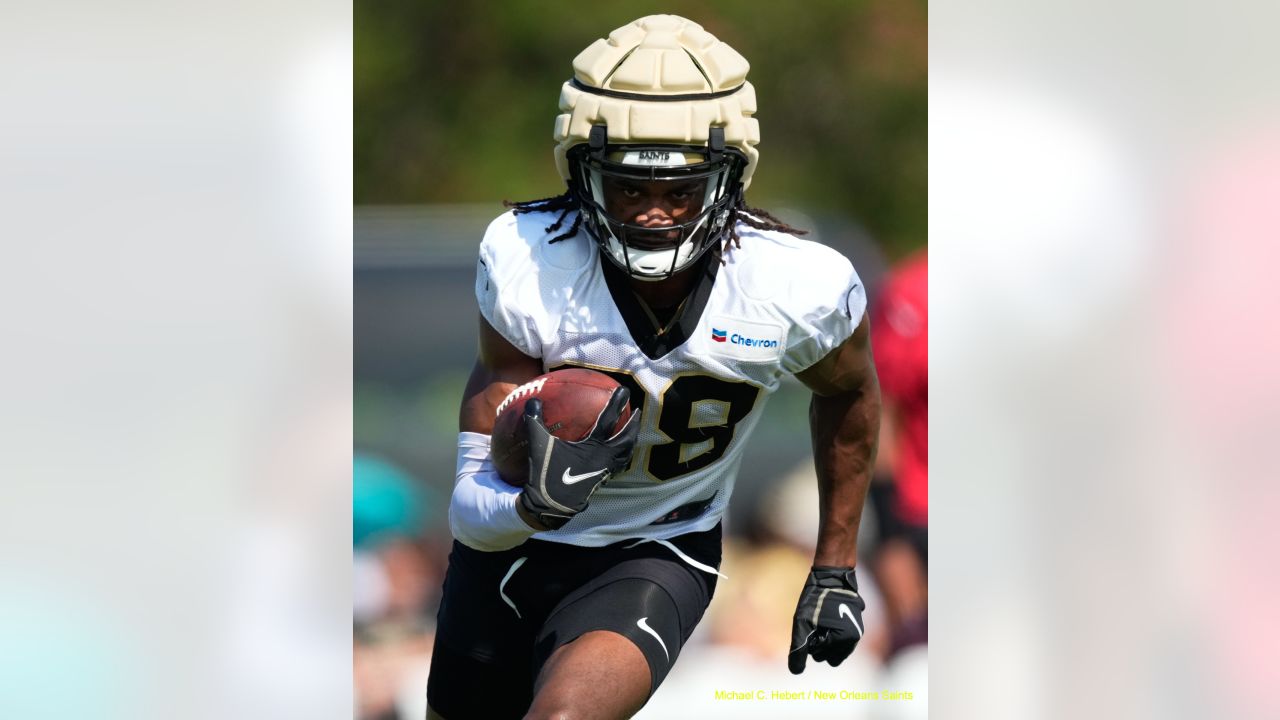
x=777, y=306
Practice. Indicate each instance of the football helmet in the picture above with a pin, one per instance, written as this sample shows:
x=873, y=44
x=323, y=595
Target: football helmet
x=660, y=101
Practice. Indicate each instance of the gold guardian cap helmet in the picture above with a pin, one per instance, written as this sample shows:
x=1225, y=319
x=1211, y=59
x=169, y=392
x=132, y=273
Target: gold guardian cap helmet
x=660, y=100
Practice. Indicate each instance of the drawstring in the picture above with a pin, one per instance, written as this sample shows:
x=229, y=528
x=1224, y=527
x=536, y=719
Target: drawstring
x=514, y=566
x=682, y=556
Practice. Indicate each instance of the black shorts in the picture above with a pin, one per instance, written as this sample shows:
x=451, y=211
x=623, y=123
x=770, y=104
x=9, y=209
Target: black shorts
x=504, y=613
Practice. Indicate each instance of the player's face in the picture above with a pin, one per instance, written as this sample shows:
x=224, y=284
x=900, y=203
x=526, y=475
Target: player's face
x=656, y=204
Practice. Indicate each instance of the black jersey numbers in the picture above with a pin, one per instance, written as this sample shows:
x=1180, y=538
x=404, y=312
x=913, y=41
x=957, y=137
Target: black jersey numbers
x=697, y=413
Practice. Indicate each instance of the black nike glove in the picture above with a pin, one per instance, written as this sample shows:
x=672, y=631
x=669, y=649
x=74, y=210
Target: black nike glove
x=563, y=475
x=828, y=622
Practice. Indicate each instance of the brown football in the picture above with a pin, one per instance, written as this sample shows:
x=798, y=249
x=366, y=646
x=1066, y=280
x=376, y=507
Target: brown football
x=571, y=402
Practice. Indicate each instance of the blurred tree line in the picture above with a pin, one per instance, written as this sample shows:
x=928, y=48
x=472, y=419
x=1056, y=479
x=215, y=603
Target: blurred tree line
x=454, y=102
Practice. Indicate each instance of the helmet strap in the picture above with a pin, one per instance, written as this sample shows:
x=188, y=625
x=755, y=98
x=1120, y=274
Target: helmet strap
x=715, y=144
x=597, y=140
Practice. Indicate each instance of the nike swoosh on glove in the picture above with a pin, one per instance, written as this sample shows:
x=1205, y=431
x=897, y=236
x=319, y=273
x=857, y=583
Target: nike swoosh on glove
x=828, y=622
x=564, y=475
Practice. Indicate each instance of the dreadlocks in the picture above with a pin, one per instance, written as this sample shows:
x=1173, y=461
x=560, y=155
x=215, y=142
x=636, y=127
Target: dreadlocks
x=564, y=203
x=756, y=218
x=568, y=201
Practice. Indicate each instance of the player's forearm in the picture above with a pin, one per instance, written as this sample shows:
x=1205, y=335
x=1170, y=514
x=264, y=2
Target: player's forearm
x=845, y=430
x=484, y=512
x=485, y=390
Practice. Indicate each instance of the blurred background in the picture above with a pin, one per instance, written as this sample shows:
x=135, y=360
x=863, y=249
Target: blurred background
x=454, y=105
x=176, y=188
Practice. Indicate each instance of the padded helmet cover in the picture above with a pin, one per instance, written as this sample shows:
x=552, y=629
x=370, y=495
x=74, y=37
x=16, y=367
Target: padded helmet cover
x=661, y=79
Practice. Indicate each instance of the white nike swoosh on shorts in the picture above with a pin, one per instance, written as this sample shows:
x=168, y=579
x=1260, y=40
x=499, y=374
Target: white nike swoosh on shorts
x=645, y=627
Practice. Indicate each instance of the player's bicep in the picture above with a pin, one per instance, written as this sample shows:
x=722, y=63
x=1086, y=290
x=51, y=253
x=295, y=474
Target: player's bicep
x=500, y=368
x=848, y=367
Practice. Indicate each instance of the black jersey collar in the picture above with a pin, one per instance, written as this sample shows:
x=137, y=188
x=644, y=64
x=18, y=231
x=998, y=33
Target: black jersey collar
x=648, y=338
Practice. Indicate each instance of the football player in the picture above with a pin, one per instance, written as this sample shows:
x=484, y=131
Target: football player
x=572, y=596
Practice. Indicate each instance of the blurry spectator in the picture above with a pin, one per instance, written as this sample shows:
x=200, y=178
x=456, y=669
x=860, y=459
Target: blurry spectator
x=753, y=612
x=394, y=573
x=384, y=501
x=900, y=494
x=397, y=574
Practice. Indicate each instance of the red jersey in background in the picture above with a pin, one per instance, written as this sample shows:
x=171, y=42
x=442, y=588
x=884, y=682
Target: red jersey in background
x=900, y=342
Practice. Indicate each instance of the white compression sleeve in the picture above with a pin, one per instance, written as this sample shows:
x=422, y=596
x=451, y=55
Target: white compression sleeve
x=482, y=511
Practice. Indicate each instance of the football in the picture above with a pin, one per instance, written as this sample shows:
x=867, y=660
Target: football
x=571, y=401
